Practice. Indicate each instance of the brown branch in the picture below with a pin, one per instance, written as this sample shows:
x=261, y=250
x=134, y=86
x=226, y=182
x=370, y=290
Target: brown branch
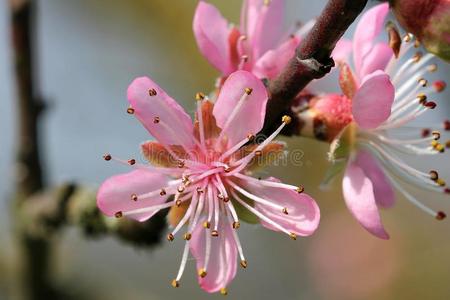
x=47, y=213
x=34, y=269
x=313, y=57
x=29, y=171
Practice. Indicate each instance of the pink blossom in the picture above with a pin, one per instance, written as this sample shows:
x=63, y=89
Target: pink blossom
x=202, y=171
x=386, y=97
x=257, y=45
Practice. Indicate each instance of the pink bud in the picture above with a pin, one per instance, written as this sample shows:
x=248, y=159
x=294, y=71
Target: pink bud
x=333, y=112
x=429, y=21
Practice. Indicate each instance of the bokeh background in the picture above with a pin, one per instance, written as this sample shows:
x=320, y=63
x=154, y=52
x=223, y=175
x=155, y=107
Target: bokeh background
x=88, y=52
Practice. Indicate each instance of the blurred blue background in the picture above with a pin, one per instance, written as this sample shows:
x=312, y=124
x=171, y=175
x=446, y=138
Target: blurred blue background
x=88, y=53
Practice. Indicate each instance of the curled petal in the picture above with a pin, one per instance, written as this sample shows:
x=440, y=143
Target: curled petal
x=382, y=188
x=273, y=61
x=162, y=116
x=212, y=35
x=376, y=59
x=222, y=264
x=342, y=50
x=367, y=30
x=360, y=199
x=115, y=194
x=303, y=213
x=264, y=21
x=373, y=100
x=242, y=95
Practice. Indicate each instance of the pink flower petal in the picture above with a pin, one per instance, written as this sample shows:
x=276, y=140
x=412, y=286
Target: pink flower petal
x=163, y=117
x=342, y=50
x=360, y=200
x=222, y=264
x=376, y=59
x=249, y=115
x=367, y=30
x=382, y=188
x=263, y=25
x=211, y=33
x=373, y=100
x=115, y=193
x=273, y=61
x=303, y=213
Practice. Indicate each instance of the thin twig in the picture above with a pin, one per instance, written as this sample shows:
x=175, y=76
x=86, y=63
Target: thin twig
x=313, y=57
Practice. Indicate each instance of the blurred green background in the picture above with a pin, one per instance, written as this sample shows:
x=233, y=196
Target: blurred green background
x=88, y=53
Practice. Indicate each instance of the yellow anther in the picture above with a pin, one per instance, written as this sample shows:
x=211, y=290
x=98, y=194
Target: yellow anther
x=215, y=233
x=206, y=224
x=286, y=119
x=130, y=110
x=423, y=82
x=293, y=236
x=118, y=214
x=199, y=96
x=439, y=148
x=417, y=57
x=184, y=178
x=248, y=90
x=407, y=37
x=202, y=273
x=434, y=175
x=223, y=291
x=187, y=236
x=422, y=98
x=285, y=211
x=170, y=237
x=175, y=283
x=436, y=135
x=440, y=182
x=244, y=264
x=432, y=68
x=300, y=189
x=236, y=225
